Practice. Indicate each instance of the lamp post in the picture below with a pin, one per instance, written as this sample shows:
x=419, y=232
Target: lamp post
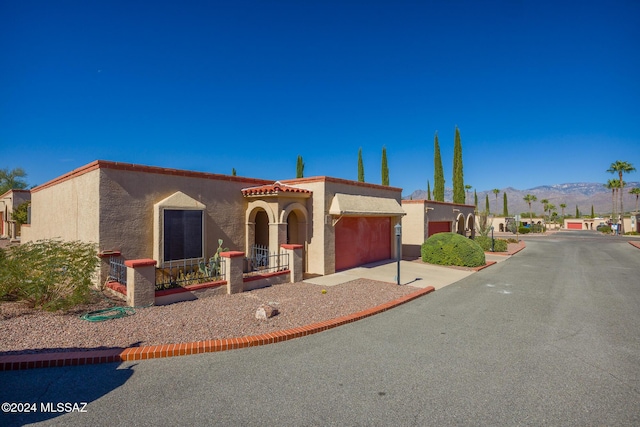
x=492, y=241
x=398, y=229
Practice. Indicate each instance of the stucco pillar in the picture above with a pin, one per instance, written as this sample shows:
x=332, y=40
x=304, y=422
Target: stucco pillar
x=295, y=261
x=233, y=261
x=277, y=237
x=141, y=282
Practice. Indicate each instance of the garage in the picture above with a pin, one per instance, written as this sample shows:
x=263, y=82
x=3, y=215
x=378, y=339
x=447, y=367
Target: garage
x=363, y=227
x=439, y=227
x=574, y=225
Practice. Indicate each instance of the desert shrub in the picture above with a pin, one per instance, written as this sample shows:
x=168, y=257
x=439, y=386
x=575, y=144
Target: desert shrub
x=452, y=249
x=524, y=230
x=48, y=274
x=512, y=240
x=631, y=233
x=499, y=245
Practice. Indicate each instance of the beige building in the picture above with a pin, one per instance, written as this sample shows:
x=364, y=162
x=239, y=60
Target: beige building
x=143, y=212
x=9, y=229
x=427, y=217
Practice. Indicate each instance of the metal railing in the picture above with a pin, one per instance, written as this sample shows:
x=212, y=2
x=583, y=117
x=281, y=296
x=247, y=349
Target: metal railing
x=117, y=271
x=261, y=261
x=184, y=272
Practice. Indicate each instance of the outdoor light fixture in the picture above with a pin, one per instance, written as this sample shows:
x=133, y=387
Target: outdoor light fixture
x=398, y=229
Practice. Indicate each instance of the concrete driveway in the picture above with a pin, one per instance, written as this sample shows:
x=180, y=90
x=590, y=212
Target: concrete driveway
x=412, y=273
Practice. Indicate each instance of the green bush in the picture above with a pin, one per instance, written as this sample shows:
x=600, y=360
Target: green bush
x=499, y=245
x=512, y=240
x=524, y=230
x=606, y=229
x=48, y=274
x=452, y=249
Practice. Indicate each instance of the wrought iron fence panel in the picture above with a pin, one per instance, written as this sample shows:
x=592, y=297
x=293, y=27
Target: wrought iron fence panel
x=180, y=273
x=117, y=271
x=261, y=261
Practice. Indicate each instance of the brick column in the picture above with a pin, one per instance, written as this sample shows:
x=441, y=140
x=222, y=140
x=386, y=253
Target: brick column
x=141, y=282
x=295, y=261
x=233, y=261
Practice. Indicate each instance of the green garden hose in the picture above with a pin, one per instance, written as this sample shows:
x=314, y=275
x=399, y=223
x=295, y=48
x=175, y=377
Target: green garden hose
x=108, y=314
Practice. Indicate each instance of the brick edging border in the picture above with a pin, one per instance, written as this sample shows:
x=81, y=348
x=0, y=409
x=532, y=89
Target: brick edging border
x=636, y=244
x=50, y=360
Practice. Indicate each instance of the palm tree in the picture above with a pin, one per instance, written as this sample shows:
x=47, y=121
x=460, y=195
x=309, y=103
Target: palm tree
x=551, y=207
x=530, y=198
x=544, y=202
x=620, y=167
x=467, y=187
x=496, y=192
x=636, y=192
x=562, y=206
x=613, y=185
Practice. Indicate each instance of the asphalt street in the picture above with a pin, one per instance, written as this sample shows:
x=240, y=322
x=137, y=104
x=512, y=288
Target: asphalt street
x=549, y=337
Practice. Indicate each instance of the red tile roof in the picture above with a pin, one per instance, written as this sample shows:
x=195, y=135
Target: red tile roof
x=272, y=189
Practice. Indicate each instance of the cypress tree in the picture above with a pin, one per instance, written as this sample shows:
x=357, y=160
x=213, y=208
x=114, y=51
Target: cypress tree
x=428, y=190
x=300, y=168
x=505, y=209
x=385, y=168
x=593, y=215
x=360, y=166
x=487, y=203
x=577, y=212
x=233, y=171
x=475, y=199
x=458, y=177
x=438, y=175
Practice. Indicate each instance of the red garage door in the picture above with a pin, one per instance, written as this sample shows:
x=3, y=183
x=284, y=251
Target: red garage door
x=360, y=240
x=439, y=227
x=574, y=225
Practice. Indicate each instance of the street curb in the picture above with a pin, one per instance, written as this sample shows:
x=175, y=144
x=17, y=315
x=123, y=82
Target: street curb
x=50, y=360
x=636, y=244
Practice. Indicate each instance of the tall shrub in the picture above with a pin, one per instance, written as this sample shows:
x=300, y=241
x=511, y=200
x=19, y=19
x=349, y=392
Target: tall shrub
x=48, y=274
x=458, y=176
x=438, y=174
x=385, y=167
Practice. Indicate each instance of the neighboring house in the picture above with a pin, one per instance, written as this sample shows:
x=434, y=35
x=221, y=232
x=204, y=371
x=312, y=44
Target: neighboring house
x=427, y=217
x=9, y=229
x=168, y=214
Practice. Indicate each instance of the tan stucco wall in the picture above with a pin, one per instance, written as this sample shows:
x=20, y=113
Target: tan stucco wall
x=67, y=210
x=415, y=228
x=127, y=209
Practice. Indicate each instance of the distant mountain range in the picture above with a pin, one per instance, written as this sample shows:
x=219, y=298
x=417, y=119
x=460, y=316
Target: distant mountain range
x=582, y=194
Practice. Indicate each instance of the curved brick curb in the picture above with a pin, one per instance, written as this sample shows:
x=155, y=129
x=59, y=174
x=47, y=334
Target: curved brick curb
x=50, y=360
x=482, y=267
x=636, y=244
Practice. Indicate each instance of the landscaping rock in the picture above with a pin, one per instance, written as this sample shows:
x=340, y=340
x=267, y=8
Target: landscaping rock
x=265, y=312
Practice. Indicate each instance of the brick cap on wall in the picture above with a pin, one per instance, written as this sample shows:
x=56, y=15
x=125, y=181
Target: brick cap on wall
x=231, y=254
x=290, y=246
x=134, y=263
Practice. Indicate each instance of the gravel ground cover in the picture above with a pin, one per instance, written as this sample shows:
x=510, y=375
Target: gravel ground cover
x=23, y=330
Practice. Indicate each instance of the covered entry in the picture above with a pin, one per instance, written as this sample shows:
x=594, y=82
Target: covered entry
x=363, y=228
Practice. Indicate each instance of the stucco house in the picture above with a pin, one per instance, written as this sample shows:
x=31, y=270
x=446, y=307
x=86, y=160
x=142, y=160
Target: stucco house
x=427, y=217
x=168, y=214
x=9, y=229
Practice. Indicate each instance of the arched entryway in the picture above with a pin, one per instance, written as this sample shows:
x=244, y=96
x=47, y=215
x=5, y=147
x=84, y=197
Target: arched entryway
x=471, y=225
x=460, y=225
x=261, y=228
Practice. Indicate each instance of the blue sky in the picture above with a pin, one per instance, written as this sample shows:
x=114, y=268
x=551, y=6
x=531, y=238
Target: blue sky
x=542, y=92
